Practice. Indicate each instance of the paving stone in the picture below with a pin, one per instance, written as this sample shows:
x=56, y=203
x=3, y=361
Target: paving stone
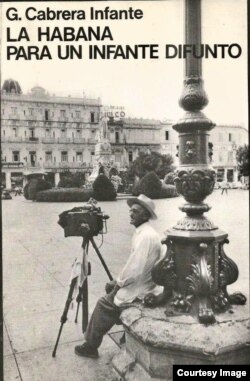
x=7, y=350
x=33, y=301
x=67, y=365
x=10, y=369
x=37, y=262
x=39, y=330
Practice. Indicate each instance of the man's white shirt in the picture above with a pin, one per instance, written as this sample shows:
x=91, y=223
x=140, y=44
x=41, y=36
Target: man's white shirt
x=135, y=278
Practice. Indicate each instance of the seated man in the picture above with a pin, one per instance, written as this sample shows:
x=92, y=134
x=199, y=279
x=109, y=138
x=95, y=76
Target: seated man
x=133, y=282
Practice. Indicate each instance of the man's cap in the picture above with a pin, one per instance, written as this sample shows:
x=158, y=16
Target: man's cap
x=144, y=201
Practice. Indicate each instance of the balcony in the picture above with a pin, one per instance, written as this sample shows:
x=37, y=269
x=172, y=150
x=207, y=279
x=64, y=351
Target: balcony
x=33, y=164
x=64, y=165
x=33, y=139
x=11, y=139
x=65, y=140
x=19, y=139
x=14, y=116
x=63, y=119
x=79, y=140
x=13, y=164
x=49, y=140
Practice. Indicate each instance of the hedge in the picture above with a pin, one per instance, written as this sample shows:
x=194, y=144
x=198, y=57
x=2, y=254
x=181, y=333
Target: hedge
x=64, y=195
x=103, y=189
x=169, y=178
x=168, y=190
x=151, y=186
x=34, y=186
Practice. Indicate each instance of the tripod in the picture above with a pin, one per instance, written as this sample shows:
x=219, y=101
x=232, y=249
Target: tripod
x=83, y=289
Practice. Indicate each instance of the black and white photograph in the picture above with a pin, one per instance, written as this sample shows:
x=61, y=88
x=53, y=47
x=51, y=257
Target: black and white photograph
x=124, y=190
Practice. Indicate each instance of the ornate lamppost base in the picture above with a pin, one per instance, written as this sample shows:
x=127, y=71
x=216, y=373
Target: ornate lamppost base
x=155, y=343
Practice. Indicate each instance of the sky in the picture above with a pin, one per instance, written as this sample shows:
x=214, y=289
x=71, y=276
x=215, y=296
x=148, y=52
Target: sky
x=146, y=88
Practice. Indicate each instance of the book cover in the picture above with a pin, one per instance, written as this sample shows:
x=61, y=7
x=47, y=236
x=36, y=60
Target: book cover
x=86, y=87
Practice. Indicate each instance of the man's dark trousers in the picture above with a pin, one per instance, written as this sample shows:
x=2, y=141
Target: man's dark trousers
x=104, y=316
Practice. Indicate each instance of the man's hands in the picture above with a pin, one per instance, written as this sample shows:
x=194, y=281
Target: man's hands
x=110, y=286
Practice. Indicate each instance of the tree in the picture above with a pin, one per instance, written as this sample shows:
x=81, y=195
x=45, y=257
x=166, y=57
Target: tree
x=169, y=178
x=242, y=157
x=150, y=185
x=34, y=186
x=103, y=189
x=72, y=180
x=154, y=161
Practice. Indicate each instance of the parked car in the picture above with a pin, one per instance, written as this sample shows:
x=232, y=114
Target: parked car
x=6, y=195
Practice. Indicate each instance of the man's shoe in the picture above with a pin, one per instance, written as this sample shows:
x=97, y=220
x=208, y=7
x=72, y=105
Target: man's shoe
x=85, y=350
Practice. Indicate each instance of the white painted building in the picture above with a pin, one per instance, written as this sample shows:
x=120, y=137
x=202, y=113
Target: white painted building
x=47, y=134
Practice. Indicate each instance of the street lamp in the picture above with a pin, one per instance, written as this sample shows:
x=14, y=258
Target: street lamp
x=196, y=271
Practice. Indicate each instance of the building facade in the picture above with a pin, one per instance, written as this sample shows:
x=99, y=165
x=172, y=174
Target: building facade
x=41, y=133
x=47, y=134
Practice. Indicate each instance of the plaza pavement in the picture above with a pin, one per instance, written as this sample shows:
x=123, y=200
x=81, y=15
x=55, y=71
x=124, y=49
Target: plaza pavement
x=36, y=267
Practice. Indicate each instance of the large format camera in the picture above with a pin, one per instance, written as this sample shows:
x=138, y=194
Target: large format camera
x=85, y=220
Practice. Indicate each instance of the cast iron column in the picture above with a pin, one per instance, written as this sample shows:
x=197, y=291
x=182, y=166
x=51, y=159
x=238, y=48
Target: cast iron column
x=196, y=271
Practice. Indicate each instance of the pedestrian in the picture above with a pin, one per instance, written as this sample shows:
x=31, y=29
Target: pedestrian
x=134, y=281
x=224, y=187
x=16, y=190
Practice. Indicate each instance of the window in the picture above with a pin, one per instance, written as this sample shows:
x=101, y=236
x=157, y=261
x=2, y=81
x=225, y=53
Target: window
x=130, y=157
x=46, y=112
x=15, y=156
x=117, y=137
x=62, y=113
x=229, y=137
x=78, y=133
x=64, y=156
x=14, y=132
x=48, y=156
x=23, y=112
x=117, y=157
x=30, y=111
x=220, y=174
x=63, y=133
x=47, y=133
x=31, y=132
x=32, y=155
x=3, y=111
x=92, y=117
x=166, y=135
x=79, y=157
x=78, y=114
x=230, y=156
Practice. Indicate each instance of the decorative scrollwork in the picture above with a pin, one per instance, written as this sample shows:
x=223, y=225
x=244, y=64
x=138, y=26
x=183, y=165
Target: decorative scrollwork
x=196, y=224
x=195, y=184
x=190, y=150
x=228, y=274
x=228, y=269
x=193, y=96
x=210, y=151
x=163, y=274
x=182, y=303
x=199, y=283
x=177, y=147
